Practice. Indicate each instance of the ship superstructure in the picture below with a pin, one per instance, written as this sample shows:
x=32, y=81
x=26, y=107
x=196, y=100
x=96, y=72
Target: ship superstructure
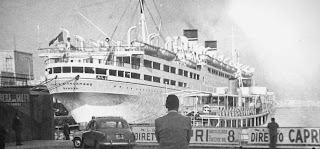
x=132, y=80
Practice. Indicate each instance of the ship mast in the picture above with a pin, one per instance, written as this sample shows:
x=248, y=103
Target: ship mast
x=143, y=22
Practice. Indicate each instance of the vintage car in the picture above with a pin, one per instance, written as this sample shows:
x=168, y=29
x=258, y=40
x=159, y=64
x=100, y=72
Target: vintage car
x=77, y=138
x=109, y=132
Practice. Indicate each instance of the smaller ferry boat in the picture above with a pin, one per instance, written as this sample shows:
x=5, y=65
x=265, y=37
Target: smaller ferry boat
x=239, y=105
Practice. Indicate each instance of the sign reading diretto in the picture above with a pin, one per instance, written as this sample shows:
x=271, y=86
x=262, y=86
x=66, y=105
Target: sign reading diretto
x=290, y=136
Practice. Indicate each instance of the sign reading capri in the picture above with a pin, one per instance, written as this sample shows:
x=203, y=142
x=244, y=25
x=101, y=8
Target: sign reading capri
x=199, y=135
x=285, y=136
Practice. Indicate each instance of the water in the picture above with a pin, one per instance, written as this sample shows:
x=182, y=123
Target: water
x=297, y=113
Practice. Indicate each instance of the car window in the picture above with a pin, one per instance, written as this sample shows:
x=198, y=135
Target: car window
x=112, y=124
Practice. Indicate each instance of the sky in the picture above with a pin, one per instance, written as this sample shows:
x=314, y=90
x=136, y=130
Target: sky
x=279, y=38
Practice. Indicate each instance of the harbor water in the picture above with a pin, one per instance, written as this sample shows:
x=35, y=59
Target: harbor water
x=297, y=113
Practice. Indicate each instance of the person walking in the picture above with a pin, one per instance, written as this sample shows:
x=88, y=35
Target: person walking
x=273, y=126
x=173, y=131
x=66, y=130
x=17, y=127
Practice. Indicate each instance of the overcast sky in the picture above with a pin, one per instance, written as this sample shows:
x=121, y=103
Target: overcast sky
x=280, y=38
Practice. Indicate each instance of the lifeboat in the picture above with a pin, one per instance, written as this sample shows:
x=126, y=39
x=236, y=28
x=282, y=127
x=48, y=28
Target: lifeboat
x=158, y=52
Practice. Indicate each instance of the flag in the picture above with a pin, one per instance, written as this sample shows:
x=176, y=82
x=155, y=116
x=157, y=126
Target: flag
x=59, y=38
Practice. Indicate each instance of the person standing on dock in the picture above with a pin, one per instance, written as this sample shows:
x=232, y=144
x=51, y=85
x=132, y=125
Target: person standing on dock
x=66, y=130
x=17, y=127
x=92, y=124
x=3, y=133
x=173, y=131
x=273, y=126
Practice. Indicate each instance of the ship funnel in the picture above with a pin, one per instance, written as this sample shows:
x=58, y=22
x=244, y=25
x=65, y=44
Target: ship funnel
x=191, y=34
x=210, y=45
x=211, y=48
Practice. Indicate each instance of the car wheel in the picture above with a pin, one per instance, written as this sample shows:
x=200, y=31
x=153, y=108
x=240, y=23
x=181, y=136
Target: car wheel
x=77, y=143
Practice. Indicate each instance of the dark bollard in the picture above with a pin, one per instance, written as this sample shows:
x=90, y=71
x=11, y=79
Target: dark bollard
x=240, y=147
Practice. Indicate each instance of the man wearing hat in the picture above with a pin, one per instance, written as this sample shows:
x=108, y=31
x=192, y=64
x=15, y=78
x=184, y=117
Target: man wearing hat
x=173, y=131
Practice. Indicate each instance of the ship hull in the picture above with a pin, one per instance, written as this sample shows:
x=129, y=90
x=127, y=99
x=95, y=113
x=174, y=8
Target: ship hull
x=134, y=108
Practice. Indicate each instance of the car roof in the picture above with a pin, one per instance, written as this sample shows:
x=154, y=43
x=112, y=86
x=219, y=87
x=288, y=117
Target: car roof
x=110, y=119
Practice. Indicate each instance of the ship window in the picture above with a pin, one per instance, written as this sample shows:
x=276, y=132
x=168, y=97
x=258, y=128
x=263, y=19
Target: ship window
x=120, y=73
x=180, y=72
x=205, y=100
x=135, y=75
x=126, y=60
x=100, y=61
x=221, y=100
x=89, y=60
x=246, y=82
x=198, y=77
x=135, y=62
x=156, y=65
x=89, y=70
x=180, y=84
x=56, y=69
x=199, y=67
x=147, y=63
x=191, y=74
x=214, y=100
x=156, y=79
x=147, y=78
x=166, y=81
x=166, y=68
x=127, y=74
x=77, y=69
x=173, y=70
x=230, y=101
x=49, y=70
x=172, y=82
x=186, y=73
x=101, y=71
x=195, y=76
x=112, y=72
x=66, y=69
x=185, y=84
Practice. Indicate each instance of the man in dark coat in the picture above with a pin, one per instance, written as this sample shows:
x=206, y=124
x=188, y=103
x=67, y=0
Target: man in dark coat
x=173, y=131
x=273, y=126
x=17, y=127
x=3, y=134
x=66, y=130
x=92, y=124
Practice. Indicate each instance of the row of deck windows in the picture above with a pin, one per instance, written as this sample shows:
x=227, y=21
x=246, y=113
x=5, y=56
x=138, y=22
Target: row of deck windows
x=112, y=72
x=218, y=73
x=166, y=68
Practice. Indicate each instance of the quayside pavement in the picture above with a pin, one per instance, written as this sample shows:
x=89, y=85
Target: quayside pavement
x=67, y=144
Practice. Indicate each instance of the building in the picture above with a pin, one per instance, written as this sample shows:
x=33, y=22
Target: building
x=16, y=68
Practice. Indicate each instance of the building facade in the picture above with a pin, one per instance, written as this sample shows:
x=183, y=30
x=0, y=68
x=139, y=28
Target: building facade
x=16, y=68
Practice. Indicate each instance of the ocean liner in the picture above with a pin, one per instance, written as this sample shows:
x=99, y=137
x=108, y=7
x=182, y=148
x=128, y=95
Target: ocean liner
x=132, y=79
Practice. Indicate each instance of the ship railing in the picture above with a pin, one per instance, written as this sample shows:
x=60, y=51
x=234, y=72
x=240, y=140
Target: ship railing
x=92, y=49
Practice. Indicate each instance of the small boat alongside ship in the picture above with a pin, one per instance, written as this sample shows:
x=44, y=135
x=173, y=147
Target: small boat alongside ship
x=132, y=79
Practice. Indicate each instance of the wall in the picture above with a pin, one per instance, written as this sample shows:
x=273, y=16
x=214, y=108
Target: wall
x=35, y=108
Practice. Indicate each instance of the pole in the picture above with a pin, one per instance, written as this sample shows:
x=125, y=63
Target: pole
x=96, y=27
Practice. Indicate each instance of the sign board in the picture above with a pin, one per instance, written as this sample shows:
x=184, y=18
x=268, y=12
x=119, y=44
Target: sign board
x=289, y=136
x=199, y=135
x=215, y=135
x=13, y=99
